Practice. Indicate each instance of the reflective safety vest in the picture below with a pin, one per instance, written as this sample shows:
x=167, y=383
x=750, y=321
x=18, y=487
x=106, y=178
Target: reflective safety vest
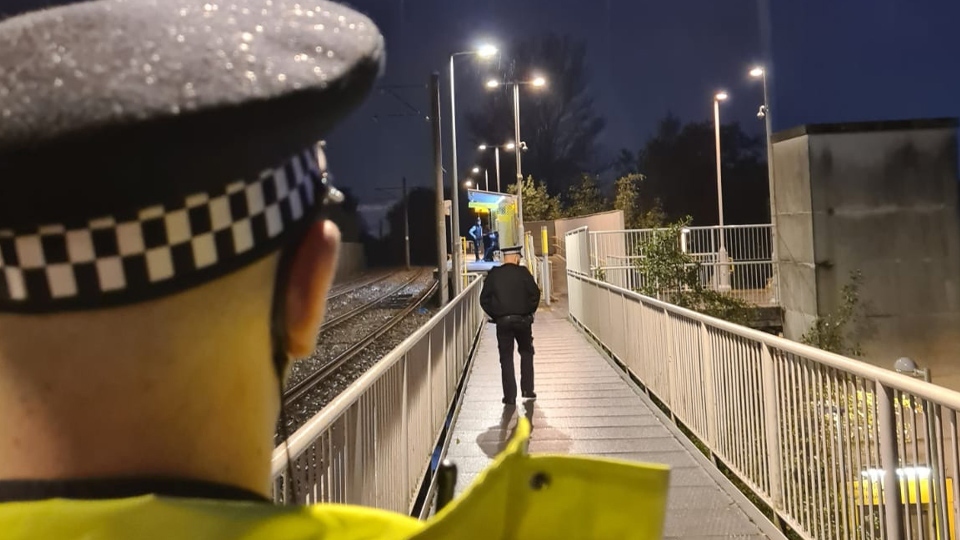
x=518, y=496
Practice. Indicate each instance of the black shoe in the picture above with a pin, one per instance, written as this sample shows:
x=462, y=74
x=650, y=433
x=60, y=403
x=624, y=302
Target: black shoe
x=530, y=395
x=506, y=401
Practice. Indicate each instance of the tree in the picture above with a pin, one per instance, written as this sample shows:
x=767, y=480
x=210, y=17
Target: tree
x=627, y=200
x=840, y=330
x=559, y=123
x=538, y=205
x=585, y=198
x=670, y=274
x=679, y=165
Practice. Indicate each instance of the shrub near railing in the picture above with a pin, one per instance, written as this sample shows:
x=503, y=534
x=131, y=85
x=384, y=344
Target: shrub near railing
x=670, y=274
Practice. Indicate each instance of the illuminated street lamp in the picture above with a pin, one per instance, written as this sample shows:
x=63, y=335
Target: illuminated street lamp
x=496, y=158
x=759, y=73
x=722, y=254
x=538, y=81
x=484, y=51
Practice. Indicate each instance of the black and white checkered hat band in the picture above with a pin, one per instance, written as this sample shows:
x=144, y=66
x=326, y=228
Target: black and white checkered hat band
x=162, y=247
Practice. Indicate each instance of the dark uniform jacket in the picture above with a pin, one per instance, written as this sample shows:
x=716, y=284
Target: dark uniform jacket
x=509, y=289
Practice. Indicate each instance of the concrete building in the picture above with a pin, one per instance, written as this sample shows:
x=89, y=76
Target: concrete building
x=881, y=198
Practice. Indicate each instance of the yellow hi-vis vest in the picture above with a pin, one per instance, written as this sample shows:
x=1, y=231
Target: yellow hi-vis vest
x=574, y=498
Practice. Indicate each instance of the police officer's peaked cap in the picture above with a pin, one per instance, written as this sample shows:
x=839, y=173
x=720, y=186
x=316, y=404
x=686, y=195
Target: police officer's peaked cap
x=147, y=146
x=517, y=250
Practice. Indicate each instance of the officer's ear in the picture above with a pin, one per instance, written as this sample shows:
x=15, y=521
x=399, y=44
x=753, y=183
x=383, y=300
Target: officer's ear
x=311, y=275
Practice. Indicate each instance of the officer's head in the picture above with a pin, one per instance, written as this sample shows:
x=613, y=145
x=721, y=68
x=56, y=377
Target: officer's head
x=511, y=255
x=163, y=251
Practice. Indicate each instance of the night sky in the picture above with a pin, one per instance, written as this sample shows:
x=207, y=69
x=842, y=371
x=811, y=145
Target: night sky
x=833, y=61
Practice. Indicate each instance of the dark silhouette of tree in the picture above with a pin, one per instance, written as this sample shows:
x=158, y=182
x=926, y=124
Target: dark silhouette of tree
x=585, y=198
x=558, y=122
x=679, y=165
x=538, y=205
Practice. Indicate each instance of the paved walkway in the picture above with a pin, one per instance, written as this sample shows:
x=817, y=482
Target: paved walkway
x=585, y=407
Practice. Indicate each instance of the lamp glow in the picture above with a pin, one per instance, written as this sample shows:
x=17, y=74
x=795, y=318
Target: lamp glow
x=539, y=81
x=756, y=72
x=493, y=83
x=721, y=96
x=486, y=51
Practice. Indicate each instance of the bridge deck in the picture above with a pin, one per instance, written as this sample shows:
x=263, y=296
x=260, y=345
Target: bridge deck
x=584, y=406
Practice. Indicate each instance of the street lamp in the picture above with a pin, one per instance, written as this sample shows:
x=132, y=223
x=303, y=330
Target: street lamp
x=486, y=178
x=484, y=51
x=496, y=158
x=759, y=72
x=722, y=254
x=538, y=81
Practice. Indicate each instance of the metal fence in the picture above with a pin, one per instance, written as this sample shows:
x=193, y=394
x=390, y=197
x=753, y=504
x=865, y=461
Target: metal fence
x=735, y=258
x=372, y=445
x=836, y=448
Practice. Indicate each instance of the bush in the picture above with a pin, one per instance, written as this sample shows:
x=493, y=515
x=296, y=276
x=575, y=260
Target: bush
x=669, y=274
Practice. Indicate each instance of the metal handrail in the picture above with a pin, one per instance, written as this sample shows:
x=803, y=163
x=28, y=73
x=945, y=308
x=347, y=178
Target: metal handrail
x=384, y=421
x=834, y=447
x=859, y=368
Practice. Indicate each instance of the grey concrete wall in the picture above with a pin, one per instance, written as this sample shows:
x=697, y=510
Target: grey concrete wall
x=351, y=261
x=534, y=228
x=604, y=221
x=882, y=200
x=885, y=203
x=798, y=282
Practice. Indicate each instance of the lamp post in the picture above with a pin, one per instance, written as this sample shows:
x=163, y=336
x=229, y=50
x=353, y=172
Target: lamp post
x=722, y=258
x=538, y=82
x=485, y=51
x=759, y=72
x=486, y=177
x=496, y=157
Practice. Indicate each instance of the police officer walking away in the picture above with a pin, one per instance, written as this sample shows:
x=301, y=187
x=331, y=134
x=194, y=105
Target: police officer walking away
x=510, y=297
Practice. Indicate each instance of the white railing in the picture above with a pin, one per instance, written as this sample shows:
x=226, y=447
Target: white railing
x=577, y=251
x=818, y=437
x=372, y=445
x=735, y=259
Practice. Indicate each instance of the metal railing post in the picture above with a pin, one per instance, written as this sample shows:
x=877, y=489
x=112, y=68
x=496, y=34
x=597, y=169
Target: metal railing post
x=887, y=426
x=671, y=362
x=771, y=426
x=709, y=394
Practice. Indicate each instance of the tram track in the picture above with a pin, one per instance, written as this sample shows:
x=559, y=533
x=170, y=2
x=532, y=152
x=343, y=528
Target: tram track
x=298, y=390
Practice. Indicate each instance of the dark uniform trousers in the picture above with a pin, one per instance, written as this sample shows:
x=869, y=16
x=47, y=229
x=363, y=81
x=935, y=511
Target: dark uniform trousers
x=517, y=328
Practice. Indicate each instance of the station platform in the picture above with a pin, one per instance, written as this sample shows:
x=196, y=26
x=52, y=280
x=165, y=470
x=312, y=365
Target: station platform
x=480, y=266
x=585, y=406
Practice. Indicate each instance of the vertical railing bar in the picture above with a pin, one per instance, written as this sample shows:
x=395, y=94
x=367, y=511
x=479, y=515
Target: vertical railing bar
x=706, y=378
x=886, y=424
x=903, y=459
x=816, y=420
x=783, y=409
x=840, y=450
x=843, y=446
x=772, y=431
x=955, y=451
x=805, y=450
